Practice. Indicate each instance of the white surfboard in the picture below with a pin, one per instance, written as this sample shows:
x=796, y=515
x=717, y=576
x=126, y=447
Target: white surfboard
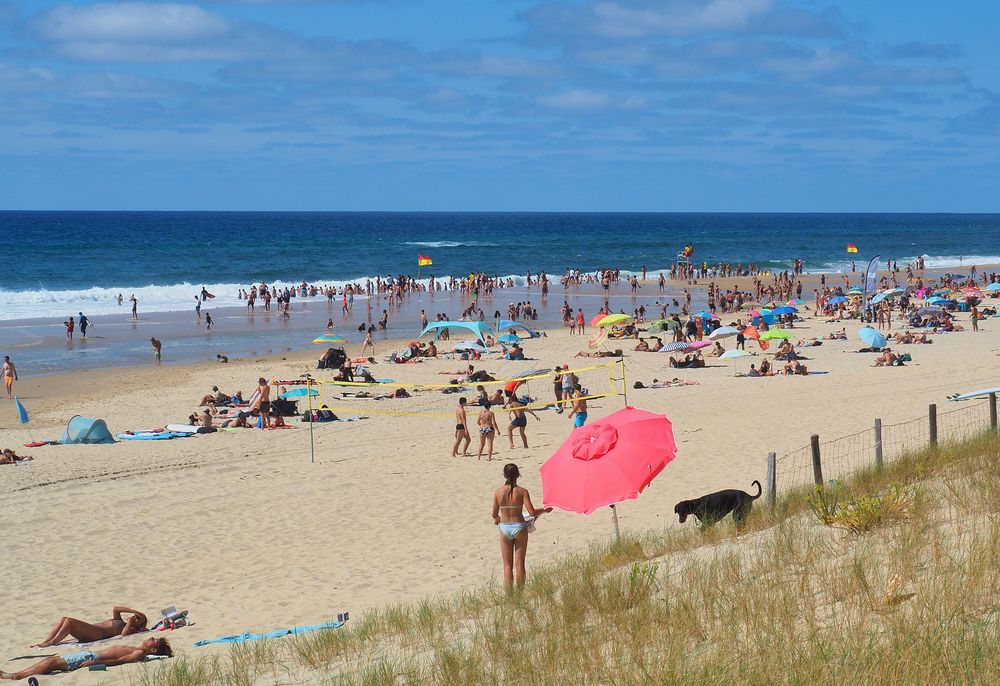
x=975, y=394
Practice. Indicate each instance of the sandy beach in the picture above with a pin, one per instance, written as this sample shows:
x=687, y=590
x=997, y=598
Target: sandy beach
x=245, y=532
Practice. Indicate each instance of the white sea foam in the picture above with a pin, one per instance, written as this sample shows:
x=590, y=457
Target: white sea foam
x=960, y=263
x=451, y=244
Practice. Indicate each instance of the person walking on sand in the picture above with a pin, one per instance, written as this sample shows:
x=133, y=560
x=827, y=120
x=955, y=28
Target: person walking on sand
x=488, y=429
x=9, y=375
x=509, y=501
x=461, y=429
x=579, y=413
x=580, y=321
x=109, y=657
x=157, y=346
x=369, y=344
x=518, y=420
x=975, y=318
x=264, y=403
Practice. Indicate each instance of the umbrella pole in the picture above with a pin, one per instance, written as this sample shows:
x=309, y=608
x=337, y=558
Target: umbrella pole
x=614, y=520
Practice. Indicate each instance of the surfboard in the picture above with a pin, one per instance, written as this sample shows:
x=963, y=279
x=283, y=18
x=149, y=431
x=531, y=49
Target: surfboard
x=975, y=394
x=148, y=436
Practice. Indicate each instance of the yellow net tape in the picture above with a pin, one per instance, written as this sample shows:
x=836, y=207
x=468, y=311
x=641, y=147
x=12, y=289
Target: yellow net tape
x=395, y=384
x=354, y=409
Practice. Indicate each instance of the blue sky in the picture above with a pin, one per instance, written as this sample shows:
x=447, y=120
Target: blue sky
x=604, y=105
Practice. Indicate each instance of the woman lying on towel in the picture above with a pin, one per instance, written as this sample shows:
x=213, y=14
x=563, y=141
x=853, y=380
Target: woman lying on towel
x=85, y=632
x=109, y=657
x=10, y=457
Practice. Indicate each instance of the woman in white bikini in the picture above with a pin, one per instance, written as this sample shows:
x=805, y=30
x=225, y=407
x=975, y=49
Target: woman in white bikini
x=508, y=503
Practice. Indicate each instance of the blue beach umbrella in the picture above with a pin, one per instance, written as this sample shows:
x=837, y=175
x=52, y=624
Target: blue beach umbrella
x=837, y=300
x=784, y=309
x=993, y=287
x=706, y=315
x=871, y=337
x=509, y=338
x=937, y=300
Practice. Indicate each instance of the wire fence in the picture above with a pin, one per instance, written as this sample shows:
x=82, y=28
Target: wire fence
x=822, y=461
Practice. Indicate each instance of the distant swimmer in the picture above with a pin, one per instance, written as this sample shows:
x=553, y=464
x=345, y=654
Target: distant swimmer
x=9, y=375
x=156, y=348
x=120, y=299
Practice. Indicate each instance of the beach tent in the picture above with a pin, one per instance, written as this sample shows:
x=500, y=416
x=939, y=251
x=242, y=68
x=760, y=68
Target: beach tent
x=508, y=324
x=86, y=430
x=479, y=329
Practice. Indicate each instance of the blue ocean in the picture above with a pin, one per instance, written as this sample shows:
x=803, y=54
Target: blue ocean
x=67, y=261
x=62, y=263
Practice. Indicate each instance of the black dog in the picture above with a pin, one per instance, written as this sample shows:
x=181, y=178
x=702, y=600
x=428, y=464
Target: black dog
x=710, y=508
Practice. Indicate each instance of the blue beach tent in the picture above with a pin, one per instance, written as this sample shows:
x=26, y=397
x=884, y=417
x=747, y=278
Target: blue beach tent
x=508, y=324
x=86, y=430
x=479, y=329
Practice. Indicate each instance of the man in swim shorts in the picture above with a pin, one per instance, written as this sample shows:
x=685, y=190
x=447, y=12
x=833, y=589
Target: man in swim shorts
x=461, y=429
x=579, y=413
x=9, y=375
x=264, y=404
x=109, y=657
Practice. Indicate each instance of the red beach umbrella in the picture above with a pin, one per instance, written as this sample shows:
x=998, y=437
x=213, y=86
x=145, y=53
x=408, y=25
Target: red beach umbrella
x=608, y=461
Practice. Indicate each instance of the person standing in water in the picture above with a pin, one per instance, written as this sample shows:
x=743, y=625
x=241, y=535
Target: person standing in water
x=135, y=306
x=208, y=321
x=157, y=346
x=84, y=325
x=509, y=502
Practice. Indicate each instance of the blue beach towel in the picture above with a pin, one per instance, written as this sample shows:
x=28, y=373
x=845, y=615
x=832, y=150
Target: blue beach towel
x=247, y=636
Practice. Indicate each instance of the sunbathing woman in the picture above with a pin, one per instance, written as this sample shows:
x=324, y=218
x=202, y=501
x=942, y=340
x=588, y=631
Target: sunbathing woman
x=600, y=353
x=85, y=632
x=10, y=457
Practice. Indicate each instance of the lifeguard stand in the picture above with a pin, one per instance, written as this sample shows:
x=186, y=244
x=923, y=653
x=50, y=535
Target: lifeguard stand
x=684, y=257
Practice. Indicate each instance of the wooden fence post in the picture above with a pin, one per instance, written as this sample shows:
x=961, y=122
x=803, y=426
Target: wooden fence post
x=993, y=411
x=878, y=444
x=817, y=464
x=772, y=479
x=932, y=419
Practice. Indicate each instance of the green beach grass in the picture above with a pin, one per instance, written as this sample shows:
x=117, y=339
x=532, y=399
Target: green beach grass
x=896, y=581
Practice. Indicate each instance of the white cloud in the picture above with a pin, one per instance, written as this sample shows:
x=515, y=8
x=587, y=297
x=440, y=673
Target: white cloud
x=130, y=22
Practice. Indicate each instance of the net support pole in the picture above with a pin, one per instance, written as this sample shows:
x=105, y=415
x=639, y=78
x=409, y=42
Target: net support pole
x=878, y=444
x=312, y=444
x=932, y=423
x=772, y=479
x=614, y=520
x=624, y=384
x=817, y=463
x=993, y=411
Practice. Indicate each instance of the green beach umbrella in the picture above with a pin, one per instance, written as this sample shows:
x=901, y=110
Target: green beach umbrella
x=772, y=334
x=613, y=319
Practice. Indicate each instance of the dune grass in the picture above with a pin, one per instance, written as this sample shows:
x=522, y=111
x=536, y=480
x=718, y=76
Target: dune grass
x=905, y=592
